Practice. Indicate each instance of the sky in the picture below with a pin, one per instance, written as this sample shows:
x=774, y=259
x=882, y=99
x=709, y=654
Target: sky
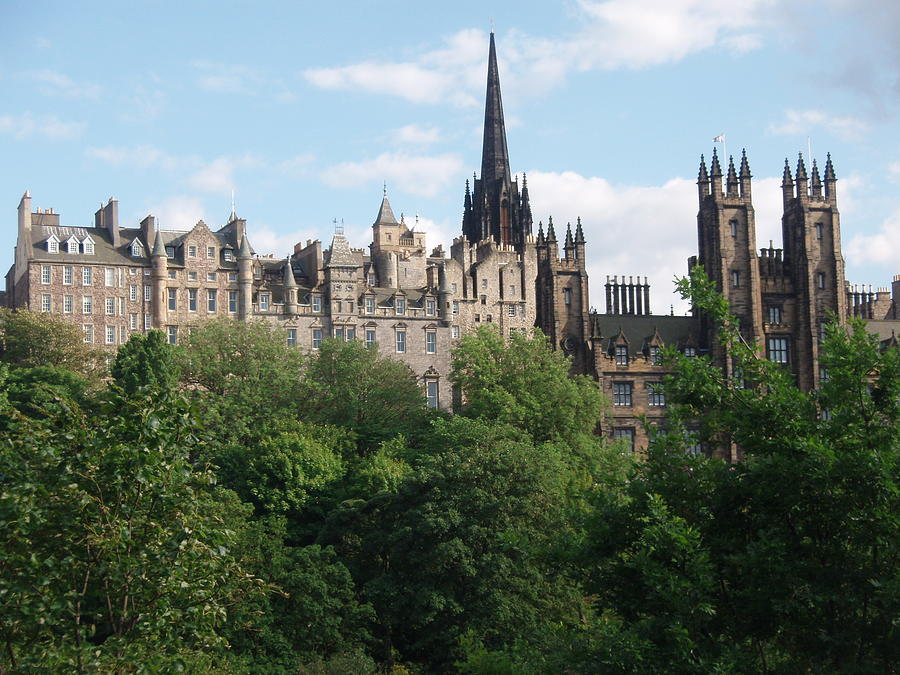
x=305, y=112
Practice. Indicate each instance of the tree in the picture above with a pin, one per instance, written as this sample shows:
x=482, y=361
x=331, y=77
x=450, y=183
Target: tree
x=522, y=381
x=32, y=339
x=114, y=549
x=146, y=360
x=375, y=397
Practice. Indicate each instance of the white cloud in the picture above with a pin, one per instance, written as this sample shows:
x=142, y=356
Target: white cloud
x=52, y=83
x=421, y=175
x=881, y=248
x=413, y=134
x=801, y=122
x=141, y=156
x=178, y=213
x=26, y=126
x=218, y=175
x=225, y=78
x=613, y=34
x=298, y=165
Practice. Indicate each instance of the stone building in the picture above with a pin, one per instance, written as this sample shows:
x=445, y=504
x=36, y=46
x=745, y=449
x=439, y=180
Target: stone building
x=412, y=304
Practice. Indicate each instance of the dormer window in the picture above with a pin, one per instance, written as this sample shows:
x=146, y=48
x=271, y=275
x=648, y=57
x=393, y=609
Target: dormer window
x=137, y=249
x=170, y=251
x=52, y=244
x=88, y=246
x=72, y=246
x=621, y=355
x=229, y=255
x=655, y=355
x=400, y=305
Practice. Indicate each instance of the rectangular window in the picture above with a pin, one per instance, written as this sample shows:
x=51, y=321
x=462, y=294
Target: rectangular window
x=88, y=331
x=192, y=299
x=133, y=322
x=148, y=322
x=655, y=355
x=45, y=302
x=626, y=434
x=173, y=274
x=454, y=332
x=819, y=231
x=110, y=335
x=148, y=291
x=232, y=301
x=351, y=334
x=431, y=342
x=68, y=304
x=210, y=276
x=87, y=304
x=110, y=306
x=317, y=303
x=370, y=337
x=401, y=341
x=121, y=306
x=774, y=314
x=292, y=337
x=45, y=274
x=109, y=277
x=210, y=252
x=88, y=246
x=483, y=299
x=172, y=332
x=263, y=302
x=122, y=335
x=192, y=251
x=621, y=355
x=429, y=307
x=567, y=296
x=232, y=276
x=192, y=276
x=316, y=338
x=229, y=255
x=779, y=350
x=820, y=280
x=87, y=276
x=400, y=305
x=690, y=352
x=173, y=299
x=484, y=283
x=339, y=334
x=511, y=310
x=210, y=300
x=453, y=288
x=512, y=290
x=735, y=279
x=431, y=393
x=656, y=397
x=622, y=393
x=455, y=307
x=371, y=279
x=734, y=227
x=67, y=275
x=370, y=305
x=52, y=246
x=132, y=293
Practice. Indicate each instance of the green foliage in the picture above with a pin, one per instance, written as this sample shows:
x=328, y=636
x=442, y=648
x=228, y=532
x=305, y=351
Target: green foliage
x=42, y=391
x=33, y=339
x=115, y=550
x=525, y=383
x=371, y=395
x=146, y=360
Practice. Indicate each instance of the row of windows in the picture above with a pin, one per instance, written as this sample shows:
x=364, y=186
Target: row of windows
x=72, y=245
x=112, y=276
x=112, y=306
x=736, y=279
x=109, y=334
x=212, y=296
x=623, y=394
x=654, y=353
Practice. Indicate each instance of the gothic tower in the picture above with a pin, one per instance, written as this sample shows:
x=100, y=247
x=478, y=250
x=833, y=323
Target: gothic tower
x=495, y=209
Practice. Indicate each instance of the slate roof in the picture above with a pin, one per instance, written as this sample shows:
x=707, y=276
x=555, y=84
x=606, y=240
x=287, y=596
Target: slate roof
x=639, y=330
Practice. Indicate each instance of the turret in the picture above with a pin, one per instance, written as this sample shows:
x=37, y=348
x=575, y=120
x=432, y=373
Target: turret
x=732, y=180
x=815, y=183
x=290, y=288
x=159, y=274
x=745, y=177
x=702, y=180
x=552, y=247
x=579, y=244
x=830, y=181
x=569, y=246
x=715, y=174
x=802, y=180
x=245, y=280
x=787, y=184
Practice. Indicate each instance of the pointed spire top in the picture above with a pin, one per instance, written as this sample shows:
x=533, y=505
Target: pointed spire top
x=816, y=180
x=540, y=235
x=829, y=169
x=787, y=179
x=702, y=175
x=385, y=188
x=568, y=235
x=551, y=233
x=159, y=248
x=745, y=165
x=524, y=182
x=732, y=174
x=27, y=194
x=579, y=233
x=289, y=281
x=244, y=251
x=494, y=155
x=801, y=167
x=386, y=213
x=714, y=169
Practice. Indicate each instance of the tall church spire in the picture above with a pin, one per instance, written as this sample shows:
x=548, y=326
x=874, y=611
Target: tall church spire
x=494, y=155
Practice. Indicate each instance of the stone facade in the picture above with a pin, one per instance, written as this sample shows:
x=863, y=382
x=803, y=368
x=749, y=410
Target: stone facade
x=413, y=305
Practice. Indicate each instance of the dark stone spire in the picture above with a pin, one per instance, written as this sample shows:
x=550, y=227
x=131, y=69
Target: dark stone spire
x=830, y=180
x=801, y=168
x=551, y=233
x=540, y=235
x=786, y=178
x=494, y=155
x=829, y=169
x=579, y=233
x=731, y=181
x=702, y=175
x=816, y=182
x=745, y=165
x=714, y=169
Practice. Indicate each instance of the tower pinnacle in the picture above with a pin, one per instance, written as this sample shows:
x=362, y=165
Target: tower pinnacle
x=495, y=155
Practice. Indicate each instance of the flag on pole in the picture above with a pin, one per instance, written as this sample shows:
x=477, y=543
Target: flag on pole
x=719, y=139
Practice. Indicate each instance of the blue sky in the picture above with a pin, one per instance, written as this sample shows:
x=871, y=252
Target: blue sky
x=306, y=110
